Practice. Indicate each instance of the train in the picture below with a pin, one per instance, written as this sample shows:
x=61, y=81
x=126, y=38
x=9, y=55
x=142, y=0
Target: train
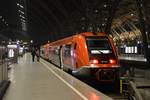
x=89, y=53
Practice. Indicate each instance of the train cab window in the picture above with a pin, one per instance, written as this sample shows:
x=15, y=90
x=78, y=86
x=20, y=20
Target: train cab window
x=98, y=45
x=67, y=50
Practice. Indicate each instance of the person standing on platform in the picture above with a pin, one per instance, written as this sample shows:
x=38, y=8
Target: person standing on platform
x=38, y=54
x=33, y=53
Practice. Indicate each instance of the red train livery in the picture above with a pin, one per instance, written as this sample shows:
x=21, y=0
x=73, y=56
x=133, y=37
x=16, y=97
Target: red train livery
x=87, y=53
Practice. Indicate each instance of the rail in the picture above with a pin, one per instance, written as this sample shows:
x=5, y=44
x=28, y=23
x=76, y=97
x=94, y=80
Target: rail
x=134, y=92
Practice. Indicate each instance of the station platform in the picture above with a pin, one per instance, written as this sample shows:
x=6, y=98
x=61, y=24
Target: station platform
x=133, y=58
x=136, y=61
x=43, y=81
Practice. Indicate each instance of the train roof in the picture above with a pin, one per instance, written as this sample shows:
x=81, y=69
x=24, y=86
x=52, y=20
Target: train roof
x=84, y=34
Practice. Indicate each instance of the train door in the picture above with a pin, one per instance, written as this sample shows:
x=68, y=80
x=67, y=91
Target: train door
x=67, y=59
x=73, y=56
x=57, y=55
x=60, y=57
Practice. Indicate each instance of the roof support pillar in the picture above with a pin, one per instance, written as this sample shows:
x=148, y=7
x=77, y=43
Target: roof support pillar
x=112, y=11
x=144, y=27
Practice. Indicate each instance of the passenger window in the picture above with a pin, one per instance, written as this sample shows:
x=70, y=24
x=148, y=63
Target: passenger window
x=67, y=50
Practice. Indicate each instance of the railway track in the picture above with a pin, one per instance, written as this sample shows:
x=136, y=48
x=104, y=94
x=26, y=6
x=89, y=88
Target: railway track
x=132, y=89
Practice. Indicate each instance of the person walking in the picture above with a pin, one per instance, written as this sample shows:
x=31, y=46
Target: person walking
x=33, y=53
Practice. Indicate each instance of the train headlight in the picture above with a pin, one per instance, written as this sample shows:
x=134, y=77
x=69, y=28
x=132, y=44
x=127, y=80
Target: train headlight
x=112, y=61
x=94, y=61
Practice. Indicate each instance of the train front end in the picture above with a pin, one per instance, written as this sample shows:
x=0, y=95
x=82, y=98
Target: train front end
x=103, y=59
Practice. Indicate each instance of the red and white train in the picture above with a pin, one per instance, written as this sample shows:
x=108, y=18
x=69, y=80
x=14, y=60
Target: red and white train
x=86, y=53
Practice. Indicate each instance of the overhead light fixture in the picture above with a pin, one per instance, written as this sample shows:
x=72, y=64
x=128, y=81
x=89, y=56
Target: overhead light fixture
x=23, y=20
x=21, y=11
x=105, y=18
x=96, y=11
x=31, y=41
x=105, y=5
x=18, y=4
x=0, y=17
x=22, y=16
x=132, y=14
x=21, y=6
x=103, y=24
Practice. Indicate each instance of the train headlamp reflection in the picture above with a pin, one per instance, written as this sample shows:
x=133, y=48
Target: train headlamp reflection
x=93, y=96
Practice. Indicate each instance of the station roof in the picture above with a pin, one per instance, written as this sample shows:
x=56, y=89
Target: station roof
x=50, y=20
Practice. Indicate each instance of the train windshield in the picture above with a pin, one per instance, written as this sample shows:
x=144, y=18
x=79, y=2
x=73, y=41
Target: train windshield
x=98, y=45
